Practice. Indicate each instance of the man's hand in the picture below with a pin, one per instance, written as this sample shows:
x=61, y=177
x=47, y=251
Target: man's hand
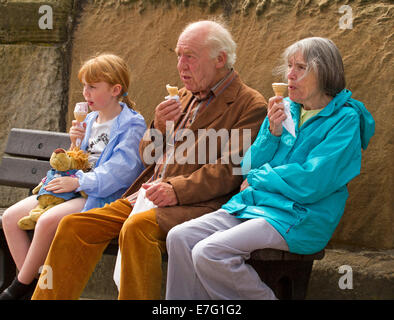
x=162, y=194
x=169, y=110
x=62, y=184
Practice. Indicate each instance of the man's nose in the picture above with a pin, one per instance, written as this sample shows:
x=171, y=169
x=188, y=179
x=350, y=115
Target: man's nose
x=182, y=65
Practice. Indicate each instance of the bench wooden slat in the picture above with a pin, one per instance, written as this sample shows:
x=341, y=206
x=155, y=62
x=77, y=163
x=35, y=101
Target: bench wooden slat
x=35, y=143
x=22, y=173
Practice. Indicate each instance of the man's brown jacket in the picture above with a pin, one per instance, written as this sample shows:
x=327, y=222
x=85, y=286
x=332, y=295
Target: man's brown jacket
x=204, y=187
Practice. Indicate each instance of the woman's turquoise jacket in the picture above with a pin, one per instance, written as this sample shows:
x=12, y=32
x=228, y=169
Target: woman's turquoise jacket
x=299, y=185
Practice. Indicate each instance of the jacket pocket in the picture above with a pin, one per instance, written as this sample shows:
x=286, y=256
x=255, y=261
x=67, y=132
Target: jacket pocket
x=300, y=212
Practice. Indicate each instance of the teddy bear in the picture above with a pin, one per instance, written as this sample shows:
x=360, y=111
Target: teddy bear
x=63, y=163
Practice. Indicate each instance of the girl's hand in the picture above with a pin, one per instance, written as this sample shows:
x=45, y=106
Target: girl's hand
x=276, y=115
x=62, y=184
x=76, y=132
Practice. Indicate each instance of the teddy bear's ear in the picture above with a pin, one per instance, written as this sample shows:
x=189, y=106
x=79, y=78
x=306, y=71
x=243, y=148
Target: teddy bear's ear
x=59, y=150
x=79, y=159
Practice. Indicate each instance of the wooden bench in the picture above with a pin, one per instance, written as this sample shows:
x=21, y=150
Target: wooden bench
x=26, y=161
x=287, y=274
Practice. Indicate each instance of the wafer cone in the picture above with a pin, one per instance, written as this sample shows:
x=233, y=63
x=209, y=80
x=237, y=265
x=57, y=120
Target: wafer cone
x=172, y=91
x=279, y=88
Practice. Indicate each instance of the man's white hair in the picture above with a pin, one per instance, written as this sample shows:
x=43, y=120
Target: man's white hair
x=218, y=39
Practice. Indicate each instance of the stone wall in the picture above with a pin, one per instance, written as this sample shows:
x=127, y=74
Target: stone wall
x=145, y=34
x=38, y=84
x=34, y=71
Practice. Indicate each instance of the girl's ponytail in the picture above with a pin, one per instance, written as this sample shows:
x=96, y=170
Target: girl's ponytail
x=125, y=98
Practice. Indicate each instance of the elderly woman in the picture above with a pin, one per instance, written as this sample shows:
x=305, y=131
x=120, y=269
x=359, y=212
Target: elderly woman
x=295, y=188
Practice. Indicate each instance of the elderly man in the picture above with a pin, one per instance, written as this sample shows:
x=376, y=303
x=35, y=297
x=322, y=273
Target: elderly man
x=214, y=98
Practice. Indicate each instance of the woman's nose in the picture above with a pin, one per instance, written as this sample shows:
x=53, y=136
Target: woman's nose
x=291, y=75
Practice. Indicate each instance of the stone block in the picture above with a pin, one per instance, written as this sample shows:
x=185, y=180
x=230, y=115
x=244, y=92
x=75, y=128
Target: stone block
x=101, y=285
x=353, y=275
x=32, y=91
x=19, y=21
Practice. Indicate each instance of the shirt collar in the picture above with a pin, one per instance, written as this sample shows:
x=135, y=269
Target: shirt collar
x=218, y=87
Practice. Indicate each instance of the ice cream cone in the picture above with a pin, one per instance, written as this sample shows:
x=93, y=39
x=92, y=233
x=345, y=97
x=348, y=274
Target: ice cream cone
x=279, y=88
x=172, y=91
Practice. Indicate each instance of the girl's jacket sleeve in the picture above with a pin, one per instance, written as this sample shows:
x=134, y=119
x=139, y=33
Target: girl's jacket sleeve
x=120, y=169
x=329, y=166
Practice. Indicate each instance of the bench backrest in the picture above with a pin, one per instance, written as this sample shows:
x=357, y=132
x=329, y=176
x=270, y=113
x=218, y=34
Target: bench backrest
x=26, y=156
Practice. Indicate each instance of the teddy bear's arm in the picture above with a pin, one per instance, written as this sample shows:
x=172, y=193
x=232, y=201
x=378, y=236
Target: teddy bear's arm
x=37, y=189
x=83, y=194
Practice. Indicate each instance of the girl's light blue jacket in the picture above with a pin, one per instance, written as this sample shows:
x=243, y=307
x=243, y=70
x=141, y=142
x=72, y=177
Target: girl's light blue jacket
x=119, y=164
x=299, y=185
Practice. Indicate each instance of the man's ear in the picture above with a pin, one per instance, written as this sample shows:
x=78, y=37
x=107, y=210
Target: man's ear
x=221, y=60
x=116, y=90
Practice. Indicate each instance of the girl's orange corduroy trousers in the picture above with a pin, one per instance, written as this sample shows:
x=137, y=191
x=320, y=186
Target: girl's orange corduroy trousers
x=81, y=239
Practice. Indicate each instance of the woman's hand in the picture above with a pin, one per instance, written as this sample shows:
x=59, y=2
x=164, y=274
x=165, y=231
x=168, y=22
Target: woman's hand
x=276, y=115
x=62, y=184
x=77, y=132
x=244, y=185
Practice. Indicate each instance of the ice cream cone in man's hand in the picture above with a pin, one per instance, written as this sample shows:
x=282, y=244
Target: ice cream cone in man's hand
x=168, y=110
x=172, y=91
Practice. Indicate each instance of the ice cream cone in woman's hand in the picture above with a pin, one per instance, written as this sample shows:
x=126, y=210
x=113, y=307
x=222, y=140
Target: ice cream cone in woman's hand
x=279, y=88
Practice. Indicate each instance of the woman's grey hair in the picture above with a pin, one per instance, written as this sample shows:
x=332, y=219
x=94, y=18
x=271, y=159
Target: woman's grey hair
x=321, y=56
x=218, y=39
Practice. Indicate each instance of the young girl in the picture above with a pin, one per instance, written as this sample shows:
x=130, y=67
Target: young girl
x=111, y=134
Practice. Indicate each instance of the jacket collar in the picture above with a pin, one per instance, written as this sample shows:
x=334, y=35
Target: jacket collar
x=218, y=105
x=344, y=99
x=122, y=119
x=337, y=102
x=228, y=94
